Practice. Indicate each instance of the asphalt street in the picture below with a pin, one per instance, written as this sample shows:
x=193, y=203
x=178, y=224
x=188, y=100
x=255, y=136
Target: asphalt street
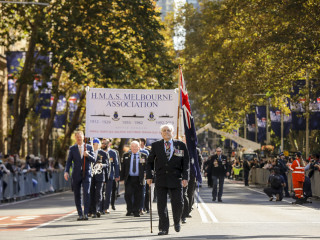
x=245, y=213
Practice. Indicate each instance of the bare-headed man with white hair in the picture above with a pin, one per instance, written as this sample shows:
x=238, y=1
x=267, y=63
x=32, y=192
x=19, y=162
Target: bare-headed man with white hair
x=170, y=159
x=132, y=172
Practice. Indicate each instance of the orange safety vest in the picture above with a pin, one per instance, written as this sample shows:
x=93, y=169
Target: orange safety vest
x=297, y=171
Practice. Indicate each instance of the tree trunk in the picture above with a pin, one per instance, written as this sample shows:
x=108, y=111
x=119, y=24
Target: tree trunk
x=20, y=104
x=44, y=140
x=76, y=120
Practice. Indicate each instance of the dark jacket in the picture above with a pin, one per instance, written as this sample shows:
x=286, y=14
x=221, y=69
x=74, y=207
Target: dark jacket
x=125, y=166
x=114, y=170
x=76, y=161
x=102, y=158
x=168, y=173
x=218, y=168
x=246, y=166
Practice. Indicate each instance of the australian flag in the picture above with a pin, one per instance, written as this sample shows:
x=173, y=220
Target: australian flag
x=189, y=129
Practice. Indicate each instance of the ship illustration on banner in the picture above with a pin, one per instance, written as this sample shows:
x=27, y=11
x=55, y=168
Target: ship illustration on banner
x=100, y=115
x=165, y=116
x=133, y=116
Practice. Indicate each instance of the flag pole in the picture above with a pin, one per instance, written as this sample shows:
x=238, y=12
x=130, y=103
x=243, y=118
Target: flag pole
x=179, y=101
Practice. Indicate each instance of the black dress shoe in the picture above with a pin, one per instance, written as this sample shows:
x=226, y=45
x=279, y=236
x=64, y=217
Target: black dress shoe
x=136, y=215
x=177, y=227
x=113, y=207
x=98, y=214
x=184, y=220
x=80, y=218
x=128, y=214
x=163, y=233
x=85, y=217
x=94, y=216
x=189, y=216
x=219, y=200
x=214, y=199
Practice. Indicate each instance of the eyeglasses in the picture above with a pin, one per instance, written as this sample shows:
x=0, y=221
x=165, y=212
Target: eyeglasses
x=218, y=151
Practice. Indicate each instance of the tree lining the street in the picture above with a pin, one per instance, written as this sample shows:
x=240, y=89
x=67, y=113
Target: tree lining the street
x=237, y=51
x=96, y=43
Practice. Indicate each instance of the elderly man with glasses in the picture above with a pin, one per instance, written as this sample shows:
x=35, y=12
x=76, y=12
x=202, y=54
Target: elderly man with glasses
x=219, y=168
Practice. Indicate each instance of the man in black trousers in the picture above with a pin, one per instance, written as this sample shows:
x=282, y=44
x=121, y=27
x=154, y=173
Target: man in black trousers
x=219, y=168
x=132, y=172
x=171, y=161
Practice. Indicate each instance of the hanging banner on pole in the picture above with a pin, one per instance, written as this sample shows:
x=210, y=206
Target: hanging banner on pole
x=129, y=113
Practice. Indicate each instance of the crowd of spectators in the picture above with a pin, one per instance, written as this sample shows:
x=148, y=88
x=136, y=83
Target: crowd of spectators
x=14, y=166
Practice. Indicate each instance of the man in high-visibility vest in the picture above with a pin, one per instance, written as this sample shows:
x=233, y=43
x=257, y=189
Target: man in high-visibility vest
x=297, y=168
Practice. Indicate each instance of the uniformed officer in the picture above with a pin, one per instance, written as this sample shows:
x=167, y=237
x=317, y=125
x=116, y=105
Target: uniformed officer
x=100, y=169
x=171, y=160
x=132, y=172
x=113, y=173
x=80, y=156
x=219, y=168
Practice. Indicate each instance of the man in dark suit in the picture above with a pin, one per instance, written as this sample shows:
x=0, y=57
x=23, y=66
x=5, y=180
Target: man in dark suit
x=100, y=170
x=80, y=156
x=113, y=173
x=132, y=172
x=171, y=160
x=219, y=168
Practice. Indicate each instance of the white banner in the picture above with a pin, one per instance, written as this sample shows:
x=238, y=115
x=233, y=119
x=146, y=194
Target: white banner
x=129, y=113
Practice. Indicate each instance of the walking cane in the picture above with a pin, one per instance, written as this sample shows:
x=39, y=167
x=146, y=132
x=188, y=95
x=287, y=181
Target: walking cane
x=150, y=206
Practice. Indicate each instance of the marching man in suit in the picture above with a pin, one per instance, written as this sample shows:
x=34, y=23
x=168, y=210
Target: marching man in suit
x=80, y=156
x=100, y=171
x=171, y=161
x=132, y=172
x=113, y=175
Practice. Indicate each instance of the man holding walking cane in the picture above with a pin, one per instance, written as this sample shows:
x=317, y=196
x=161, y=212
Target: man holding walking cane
x=171, y=161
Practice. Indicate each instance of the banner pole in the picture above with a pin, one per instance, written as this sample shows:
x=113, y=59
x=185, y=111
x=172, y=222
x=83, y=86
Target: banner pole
x=179, y=101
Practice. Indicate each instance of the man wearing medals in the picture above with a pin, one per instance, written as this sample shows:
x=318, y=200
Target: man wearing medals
x=170, y=159
x=132, y=172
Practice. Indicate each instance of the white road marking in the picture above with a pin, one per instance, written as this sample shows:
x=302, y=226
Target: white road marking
x=211, y=215
x=202, y=214
x=3, y=218
x=23, y=218
x=54, y=220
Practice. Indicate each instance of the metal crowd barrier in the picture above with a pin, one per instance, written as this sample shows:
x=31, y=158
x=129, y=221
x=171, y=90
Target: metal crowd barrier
x=30, y=184
x=260, y=176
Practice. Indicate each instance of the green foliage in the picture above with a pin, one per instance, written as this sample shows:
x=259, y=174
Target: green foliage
x=236, y=51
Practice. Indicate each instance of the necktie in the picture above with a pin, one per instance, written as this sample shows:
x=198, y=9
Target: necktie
x=168, y=149
x=80, y=150
x=220, y=158
x=134, y=167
